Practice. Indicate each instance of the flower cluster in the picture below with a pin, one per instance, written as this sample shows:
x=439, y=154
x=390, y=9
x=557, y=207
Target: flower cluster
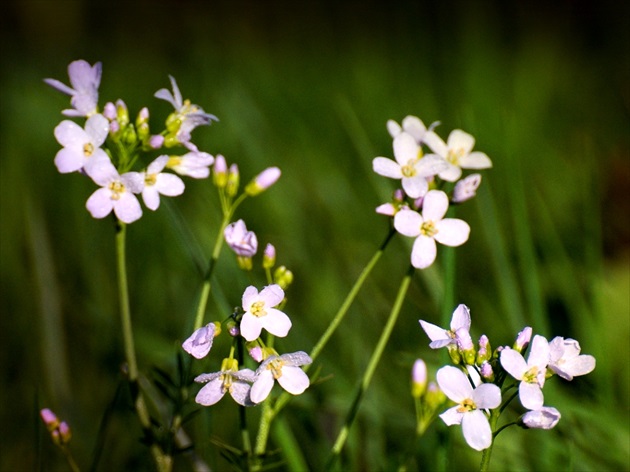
x=480, y=379
x=429, y=182
x=59, y=431
x=260, y=310
x=108, y=145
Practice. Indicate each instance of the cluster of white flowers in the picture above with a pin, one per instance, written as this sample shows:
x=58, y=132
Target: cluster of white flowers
x=480, y=378
x=246, y=386
x=420, y=206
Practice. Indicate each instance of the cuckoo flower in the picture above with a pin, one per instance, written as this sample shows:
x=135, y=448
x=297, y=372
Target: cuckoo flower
x=192, y=164
x=186, y=117
x=545, y=418
x=470, y=405
x=260, y=312
x=409, y=166
x=81, y=146
x=430, y=227
x=199, y=343
x=85, y=80
x=244, y=243
x=565, y=359
x=286, y=370
x=157, y=182
x=457, y=153
x=530, y=373
x=412, y=125
x=228, y=379
x=117, y=193
x=440, y=337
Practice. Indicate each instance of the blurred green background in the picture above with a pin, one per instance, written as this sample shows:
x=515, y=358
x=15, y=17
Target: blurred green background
x=544, y=88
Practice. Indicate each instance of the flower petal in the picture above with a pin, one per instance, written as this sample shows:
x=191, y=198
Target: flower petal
x=423, y=252
x=454, y=383
x=251, y=293
x=416, y=186
x=434, y=205
x=293, y=380
x=386, y=167
x=211, y=393
x=531, y=395
x=477, y=430
x=452, y=416
x=452, y=232
x=100, y=203
x=250, y=327
x=262, y=387
x=272, y=295
x=127, y=208
x=513, y=362
x=459, y=139
x=407, y=222
x=405, y=148
x=461, y=318
x=487, y=396
x=434, y=332
x=276, y=322
x=475, y=160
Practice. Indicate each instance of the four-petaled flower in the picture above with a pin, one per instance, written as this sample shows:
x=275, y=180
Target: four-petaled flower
x=430, y=227
x=228, y=379
x=117, y=193
x=440, y=337
x=85, y=79
x=470, y=405
x=410, y=166
x=81, y=147
x=412, y=125
x=157, y=182
x=565, y=358
x=199, y=343
x=260, y=312
x=186, y=117
x=531, y=373
x=193, y=164
x=457, y=154
x=286, y=370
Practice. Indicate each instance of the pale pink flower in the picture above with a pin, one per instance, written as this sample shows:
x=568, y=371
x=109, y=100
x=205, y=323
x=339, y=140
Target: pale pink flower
x=158, y=183
x=117, y=193
x=199, y=343
x=81, y=146
x=260, y=312
x=229, y=379
x=244, y=243
x=85, y=80
x=546, y=417
x=430, y=227
x=440, y=337
x=457, y=152
x=286, y=370
x=565, y=358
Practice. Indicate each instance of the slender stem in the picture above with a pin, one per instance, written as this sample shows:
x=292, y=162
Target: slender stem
x=369, y=371
x=487, y=453
x=283, y=399
x=162, y=460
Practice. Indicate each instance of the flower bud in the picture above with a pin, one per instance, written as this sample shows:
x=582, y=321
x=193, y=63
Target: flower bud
x=50, y=419
x=522, y=340
x=244, y=262
x=487, y=372
x=142, y=124
x=229, y=363
x=244, y=243
x=465, y=345
x=156, y=141
x=233, y=329
x=122, y=114
x=233, y=181
x=256, y=353
x=418, y=378
x=283, y=277
x=269, y=257
x=219, y=172
x=109, y=111
x=262, y=181
x=65, y=434
x=434, y=397
x=545, y=418
x=485, y=351
x=466, y=188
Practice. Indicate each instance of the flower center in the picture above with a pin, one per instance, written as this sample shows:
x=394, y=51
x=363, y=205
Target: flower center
x=88, y=149
x=227, y=381
x=531, y=376
x=150, y=179
x=409, y=170
x=466, y=405
x=117, y=188
x=428, y=229
x=173, y=161
x=258, y=309
x=454, y=155
x=275, y=366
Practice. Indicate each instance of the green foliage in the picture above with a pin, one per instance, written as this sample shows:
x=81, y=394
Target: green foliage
x=309, y=90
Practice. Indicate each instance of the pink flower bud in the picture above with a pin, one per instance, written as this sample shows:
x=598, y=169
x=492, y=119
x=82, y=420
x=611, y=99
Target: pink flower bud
x=523, y=338
x=219, y=171
x=263, y=181
x=109, y=111
x=418, y=378
x=466, y=188
x=50, y=419
x=156, y=141
x=244, y=243
x=269, y=256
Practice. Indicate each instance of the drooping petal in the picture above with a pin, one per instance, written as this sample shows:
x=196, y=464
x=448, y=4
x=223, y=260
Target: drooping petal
x=454, y=384
x=531, y=396
x=545, y=418
x=452, y=232
x=386, y=167
x=276, y=322
x=476, y=429
x=434, y=332
x=293, y=380
x=210, y=393
x=408, y=222
x=262, y=387
x=250, y=327
x=423, y=252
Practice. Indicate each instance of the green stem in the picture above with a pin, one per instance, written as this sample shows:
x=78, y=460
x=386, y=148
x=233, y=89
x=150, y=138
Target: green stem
x=487, y=453
x=369, y=371
x=162, y=460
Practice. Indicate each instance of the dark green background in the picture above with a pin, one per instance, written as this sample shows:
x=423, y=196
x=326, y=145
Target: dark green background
x=544, y=88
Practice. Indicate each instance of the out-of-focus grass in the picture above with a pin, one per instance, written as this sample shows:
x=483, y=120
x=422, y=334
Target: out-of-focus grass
x=309, y=89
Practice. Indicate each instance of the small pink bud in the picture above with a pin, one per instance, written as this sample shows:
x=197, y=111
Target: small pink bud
x=523, y=338
x=256, y=353
x=263, y=181
x=418, y=378
x=269, y=256
x=399, y=195
x=219, y=171
x=50, y=419
x=156, y=141
x=109, y=111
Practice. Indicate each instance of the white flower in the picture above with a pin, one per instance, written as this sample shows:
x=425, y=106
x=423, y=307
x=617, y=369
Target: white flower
x=470, y=405
x=228, y=379
x=117, y=193
x=244, y=243
x=193, y=164
x=430, y=227
x=565, y=359
x=410, y=166
x=457, y=153
x=85, y=79
x=545, y=418
x=199, y=343
x=412, y=125
x=259, y=312
x=286, y=370
x=530, y=373
x=81, y=147
x=157, y=182
x=440, y=337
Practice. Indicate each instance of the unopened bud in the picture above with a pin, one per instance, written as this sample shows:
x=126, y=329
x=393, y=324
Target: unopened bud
x=283, y=277
x=487, y=372
x=122, y=114
x=156, y=141
x=269, y=257
x=485, y=351
x=109, y=111
x=263, y=181
x=418, y=378
x=522, y=340
x=233, y=181
x=219, y=172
